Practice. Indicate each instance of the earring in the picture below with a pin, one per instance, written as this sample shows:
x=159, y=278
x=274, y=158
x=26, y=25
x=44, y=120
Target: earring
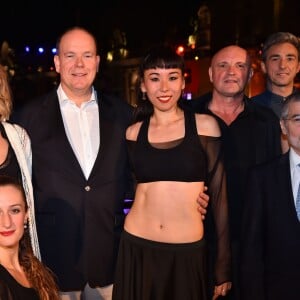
x=26, y=225
x=144, y=96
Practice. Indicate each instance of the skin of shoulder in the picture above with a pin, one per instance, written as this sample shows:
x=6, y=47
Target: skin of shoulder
x=207, y=125
x=132, y=131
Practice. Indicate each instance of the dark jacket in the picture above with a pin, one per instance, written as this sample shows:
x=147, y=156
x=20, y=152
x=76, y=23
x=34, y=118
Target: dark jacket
x=252, y=138
x=79, y=221
x=270, y=261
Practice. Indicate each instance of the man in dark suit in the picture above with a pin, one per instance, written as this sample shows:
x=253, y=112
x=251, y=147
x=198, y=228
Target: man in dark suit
x=250, y=135
x=270, y=264
x=80, y=171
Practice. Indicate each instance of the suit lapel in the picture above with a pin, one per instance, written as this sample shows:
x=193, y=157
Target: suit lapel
x=55, y=130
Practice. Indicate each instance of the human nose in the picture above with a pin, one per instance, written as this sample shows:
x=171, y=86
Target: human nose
x=282, y=63
x=164, y=86
x=5, y=220
x=231, y=70
x=79, y=61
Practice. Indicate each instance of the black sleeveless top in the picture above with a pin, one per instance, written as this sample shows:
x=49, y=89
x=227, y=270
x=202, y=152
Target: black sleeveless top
x=10, y=289
x=181, y=160
x=10, y=165
x=190, y=159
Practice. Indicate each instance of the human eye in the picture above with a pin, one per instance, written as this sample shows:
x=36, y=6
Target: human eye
x=222, y=65
x=154, y=79
x=274, y=58
x=15, y=210
x=291, y=58
x=88, y=55
x=69, y=55
x=173, y=77
x=296, y=119
x=241, y=66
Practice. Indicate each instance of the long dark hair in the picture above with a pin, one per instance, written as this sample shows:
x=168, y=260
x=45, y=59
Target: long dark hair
x=161, y=56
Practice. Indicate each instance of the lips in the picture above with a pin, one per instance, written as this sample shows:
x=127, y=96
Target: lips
x=7, y=233
x=164, y=99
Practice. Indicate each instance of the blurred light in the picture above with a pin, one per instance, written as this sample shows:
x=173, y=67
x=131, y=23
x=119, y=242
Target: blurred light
x=41, y=50
x=188, y=76
x=187, y=96
x=109, y=56
x=180, y=50
x=27, y=49
x=54, y=50
x=196, y=57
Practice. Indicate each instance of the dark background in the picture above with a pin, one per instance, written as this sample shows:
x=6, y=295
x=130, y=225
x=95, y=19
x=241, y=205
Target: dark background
x=146, y=22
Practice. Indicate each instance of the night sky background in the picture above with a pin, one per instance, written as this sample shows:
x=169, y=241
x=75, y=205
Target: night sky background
x=144, y=22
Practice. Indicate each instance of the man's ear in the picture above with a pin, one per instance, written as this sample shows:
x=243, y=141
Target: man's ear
x=283, y=127
x=263, y=67
x=210, y=74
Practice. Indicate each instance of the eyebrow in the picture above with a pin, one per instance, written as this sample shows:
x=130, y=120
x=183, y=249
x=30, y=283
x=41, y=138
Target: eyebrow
x=279, y=55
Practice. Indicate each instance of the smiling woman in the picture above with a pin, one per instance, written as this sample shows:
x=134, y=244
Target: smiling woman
x=22, y=275
x=173, y=154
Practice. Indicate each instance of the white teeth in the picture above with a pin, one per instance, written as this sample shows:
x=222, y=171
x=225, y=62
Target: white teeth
x=164, y=98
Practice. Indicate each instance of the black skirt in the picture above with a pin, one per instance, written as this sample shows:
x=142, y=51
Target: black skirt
x=149, y=270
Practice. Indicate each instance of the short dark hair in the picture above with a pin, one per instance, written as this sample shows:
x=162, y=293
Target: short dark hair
x=280, y=38
x=161, y=56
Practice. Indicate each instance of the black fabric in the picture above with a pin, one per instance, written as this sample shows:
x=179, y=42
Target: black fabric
x=10, y=289
x=10, y=166
x=270, y=264
x=210, y=163
x=271, y=100
x=79, y=220
x=151, y=270
x=151, y=163
x=252, y=138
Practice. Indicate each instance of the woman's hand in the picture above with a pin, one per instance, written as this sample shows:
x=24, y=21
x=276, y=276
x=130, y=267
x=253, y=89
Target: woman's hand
x=202, y=202
x=222, y=290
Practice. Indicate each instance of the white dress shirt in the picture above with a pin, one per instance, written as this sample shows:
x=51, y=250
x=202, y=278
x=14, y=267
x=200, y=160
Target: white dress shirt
x=295, y=172
x=82, y=128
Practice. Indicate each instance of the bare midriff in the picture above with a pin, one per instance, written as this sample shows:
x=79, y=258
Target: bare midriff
x=166, y=211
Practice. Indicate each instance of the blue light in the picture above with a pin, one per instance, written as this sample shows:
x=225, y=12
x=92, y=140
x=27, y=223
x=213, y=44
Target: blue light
x=27, y=49
x=54, y=50
x=41, y=50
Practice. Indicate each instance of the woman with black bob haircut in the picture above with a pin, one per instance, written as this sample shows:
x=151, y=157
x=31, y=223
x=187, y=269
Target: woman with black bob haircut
x=173, y=155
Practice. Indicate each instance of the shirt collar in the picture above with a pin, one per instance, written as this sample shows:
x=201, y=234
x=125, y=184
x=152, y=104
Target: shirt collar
x=294, y=159
x=63, y=98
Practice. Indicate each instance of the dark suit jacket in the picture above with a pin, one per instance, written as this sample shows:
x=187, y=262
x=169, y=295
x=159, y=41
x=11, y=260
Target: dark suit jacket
x=79, y=221
x=270, y=263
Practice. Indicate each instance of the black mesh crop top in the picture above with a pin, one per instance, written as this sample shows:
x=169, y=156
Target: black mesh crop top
x=190, y=159
x=181, y=160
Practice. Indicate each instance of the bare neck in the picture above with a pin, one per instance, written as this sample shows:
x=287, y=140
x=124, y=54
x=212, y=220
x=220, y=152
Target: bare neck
x=227, y=108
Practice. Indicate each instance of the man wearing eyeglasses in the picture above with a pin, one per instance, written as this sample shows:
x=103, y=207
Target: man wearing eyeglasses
x=270, y=264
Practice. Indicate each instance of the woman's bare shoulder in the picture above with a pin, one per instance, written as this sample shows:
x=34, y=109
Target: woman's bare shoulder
x=207, y=125
x=132, y=131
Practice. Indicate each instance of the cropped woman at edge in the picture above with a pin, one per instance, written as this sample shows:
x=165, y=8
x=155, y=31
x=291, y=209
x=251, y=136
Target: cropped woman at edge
x=15, y=162
x=173, y=155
